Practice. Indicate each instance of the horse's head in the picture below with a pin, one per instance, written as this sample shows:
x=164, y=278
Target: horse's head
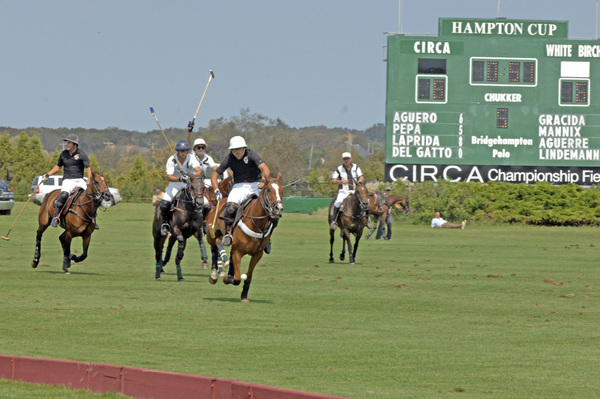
x=399, y=199
x=271, y=195
x=99, y=187
x=362, y=196
x=404, y=204
x=225, y=185
x=196, y=188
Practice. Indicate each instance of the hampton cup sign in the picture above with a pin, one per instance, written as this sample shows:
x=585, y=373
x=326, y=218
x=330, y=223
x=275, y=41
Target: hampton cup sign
x=488, y=100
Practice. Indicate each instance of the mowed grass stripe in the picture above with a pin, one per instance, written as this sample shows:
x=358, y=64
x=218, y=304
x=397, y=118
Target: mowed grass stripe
x=489, y=311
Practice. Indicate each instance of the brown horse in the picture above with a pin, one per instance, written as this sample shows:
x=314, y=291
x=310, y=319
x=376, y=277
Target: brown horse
x=379, y=205
x=253, y=231
x=351, y=220
x=78, y=219
x=187, y=221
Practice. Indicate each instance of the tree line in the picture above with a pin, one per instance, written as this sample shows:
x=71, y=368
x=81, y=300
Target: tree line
x=134, y=162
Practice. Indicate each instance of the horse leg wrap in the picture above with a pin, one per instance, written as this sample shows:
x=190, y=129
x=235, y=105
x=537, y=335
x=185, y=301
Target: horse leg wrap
x=203, y=252
x=223, y=258
x=179, y=274
x=245, y=289
x=66, y=263
x=167, y=255
x=158, y=268
x=37, y=253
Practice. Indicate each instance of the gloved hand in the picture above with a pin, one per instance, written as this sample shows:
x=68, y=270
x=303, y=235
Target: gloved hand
x=45, y=177
x=185, y=179
x=190, y=126
x=218, y=195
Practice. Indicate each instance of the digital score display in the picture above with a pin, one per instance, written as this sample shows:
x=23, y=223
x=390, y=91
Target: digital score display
x=489, y=100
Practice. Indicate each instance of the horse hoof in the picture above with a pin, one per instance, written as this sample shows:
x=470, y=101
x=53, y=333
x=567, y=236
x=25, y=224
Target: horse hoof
x=212, y=281
x=331, y=261
x=222, y=275
x=34, y=264
x=67, y=272
x=245, y=300
x=181, y=279
x=204, y=265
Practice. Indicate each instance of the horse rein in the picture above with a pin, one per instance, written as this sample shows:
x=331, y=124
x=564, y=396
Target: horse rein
x=364, y=208
x=95, y=197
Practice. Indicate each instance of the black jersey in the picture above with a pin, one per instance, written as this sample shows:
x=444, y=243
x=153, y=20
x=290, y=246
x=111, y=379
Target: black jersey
x=74, y=165
x=245, y=170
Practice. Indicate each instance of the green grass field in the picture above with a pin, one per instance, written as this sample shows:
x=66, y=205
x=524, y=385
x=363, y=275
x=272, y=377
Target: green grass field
x=487, y=312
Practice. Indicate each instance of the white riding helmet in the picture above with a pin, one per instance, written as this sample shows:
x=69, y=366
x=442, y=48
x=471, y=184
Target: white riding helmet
x=346, y=155
x=199, y=142
x=237, y=142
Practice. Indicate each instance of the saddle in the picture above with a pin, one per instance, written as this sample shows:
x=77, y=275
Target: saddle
x=73, y=195
x=240, y=211
x=380, y=200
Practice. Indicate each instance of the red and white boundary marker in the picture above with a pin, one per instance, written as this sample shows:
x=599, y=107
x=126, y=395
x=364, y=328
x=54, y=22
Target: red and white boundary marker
x=136, y=382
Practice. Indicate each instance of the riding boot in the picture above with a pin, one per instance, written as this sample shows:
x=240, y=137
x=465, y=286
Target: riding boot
x=333, y=225
x=165, y=210
x=59, y=203
x=229, y=218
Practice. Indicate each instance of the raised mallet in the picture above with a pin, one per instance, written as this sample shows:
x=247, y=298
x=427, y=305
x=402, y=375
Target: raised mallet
x=191, y=123
x=5, y=238
x=165, y=136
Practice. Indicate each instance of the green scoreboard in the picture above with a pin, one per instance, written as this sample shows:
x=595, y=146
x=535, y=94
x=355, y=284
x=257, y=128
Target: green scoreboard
x=493, y=100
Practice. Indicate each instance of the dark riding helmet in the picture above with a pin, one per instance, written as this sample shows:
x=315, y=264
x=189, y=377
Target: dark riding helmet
x=182, y=145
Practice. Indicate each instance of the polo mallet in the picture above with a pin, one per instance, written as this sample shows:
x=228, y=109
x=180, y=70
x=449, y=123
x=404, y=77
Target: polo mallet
x=212, y=227
x=165, y=136
x=5, y=238
x=191, y=123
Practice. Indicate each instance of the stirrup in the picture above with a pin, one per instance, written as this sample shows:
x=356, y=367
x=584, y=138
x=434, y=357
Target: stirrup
x=227, y=240
x=268, y=247
x=164, y=229
x=333, y=225
x=55, y=222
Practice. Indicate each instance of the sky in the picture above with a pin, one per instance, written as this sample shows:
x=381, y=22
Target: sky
x=102, y=64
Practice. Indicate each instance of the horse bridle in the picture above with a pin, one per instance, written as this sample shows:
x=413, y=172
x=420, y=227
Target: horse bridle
x=364, y=206
x=268, y=205
x=100, y=195
x=188, y=189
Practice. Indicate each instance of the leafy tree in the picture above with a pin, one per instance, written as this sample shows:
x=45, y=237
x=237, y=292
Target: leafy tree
x=6, y=154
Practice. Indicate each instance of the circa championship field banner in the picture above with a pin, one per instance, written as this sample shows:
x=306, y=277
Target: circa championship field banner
x=493, y=100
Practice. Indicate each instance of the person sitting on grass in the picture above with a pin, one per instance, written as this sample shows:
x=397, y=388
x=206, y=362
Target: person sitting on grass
x=438, y=223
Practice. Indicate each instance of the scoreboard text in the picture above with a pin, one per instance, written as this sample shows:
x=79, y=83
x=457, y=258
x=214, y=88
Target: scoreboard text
x=493, y=100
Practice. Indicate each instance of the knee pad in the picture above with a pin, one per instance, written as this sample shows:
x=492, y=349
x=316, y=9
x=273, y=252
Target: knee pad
x=60, y=200
x=230, y=210
x=165, y=206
